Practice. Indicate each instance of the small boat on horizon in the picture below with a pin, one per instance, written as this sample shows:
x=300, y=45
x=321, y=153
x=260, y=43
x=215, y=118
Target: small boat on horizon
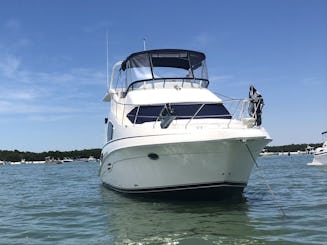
x=66, y=159
x=91, y=159
x=168, y=135
x=320, y=153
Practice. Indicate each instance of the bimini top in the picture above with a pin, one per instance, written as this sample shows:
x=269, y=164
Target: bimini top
x=184, y=59
x=162, y=67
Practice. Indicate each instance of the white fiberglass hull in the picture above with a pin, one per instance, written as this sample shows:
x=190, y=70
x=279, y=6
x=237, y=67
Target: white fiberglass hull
x=206, y=167
x=320, y=158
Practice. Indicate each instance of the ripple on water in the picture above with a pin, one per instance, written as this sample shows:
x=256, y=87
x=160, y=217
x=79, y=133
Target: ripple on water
x=66, y=204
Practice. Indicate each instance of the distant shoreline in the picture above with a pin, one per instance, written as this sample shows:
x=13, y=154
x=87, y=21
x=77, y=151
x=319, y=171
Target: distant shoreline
x=19, y=156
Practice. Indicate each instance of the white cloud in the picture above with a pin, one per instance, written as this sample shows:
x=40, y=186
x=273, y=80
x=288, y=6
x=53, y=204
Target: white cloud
x=21, y=107
x=13, y=107
x=10, y=94
x=51, y=95
x=9, y=65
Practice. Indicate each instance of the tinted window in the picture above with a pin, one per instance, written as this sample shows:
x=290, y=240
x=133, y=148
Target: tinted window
x=110, y=131
x=151, y=113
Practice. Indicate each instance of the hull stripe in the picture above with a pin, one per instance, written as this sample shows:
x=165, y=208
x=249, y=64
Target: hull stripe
x=177, y=188
x=320, y=154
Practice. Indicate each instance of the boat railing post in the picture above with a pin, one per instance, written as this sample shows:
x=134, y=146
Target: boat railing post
x=244, y=104
x=230, y=109
x=123, y=114
x=234, y=110
x=194, y=115
x=113, y=73
x=193, y=82
x=155, y=122
x=116, y=107
x=136, y=115
x=237, y=107
x=158, y=117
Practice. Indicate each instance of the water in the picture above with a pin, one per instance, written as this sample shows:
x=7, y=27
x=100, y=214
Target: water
x=66, y=204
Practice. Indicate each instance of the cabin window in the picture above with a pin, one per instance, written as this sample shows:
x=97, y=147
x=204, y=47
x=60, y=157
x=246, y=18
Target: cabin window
x=110, y=131
x=144, y=114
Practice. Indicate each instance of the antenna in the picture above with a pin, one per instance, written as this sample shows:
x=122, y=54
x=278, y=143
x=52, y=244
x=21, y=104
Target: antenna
x=107, y=39
x=144, y=42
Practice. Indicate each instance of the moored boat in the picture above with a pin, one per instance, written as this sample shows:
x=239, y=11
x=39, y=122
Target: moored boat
x=66, y=160
x=320, y=153
x=168, y=135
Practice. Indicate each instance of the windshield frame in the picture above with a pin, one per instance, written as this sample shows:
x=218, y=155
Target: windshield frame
x=164, y=64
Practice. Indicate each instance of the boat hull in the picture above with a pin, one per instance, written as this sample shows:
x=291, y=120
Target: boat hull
x=212, y=191
x=211, y=169
x=321, y=158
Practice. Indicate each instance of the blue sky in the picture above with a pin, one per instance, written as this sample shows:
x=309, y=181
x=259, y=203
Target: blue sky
x=53, y=62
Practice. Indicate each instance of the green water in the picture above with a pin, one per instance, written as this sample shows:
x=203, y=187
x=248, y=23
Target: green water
x=66, y=204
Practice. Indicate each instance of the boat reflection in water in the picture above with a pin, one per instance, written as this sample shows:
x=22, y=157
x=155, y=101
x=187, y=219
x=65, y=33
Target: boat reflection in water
x=140, y=221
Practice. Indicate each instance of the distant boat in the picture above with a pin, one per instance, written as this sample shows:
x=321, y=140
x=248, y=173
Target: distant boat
x=320, y=153
x=169, y=135
x=91, y=159
x=66, y=159
x=309, y=149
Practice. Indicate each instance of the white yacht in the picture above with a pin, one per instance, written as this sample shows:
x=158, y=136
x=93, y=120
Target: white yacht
x=320, y=154
x=167, y=134
x=67, y=159
x=91, y=159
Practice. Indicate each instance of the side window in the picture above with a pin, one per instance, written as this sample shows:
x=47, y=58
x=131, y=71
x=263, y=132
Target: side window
x=110, y=131
x=144, y=114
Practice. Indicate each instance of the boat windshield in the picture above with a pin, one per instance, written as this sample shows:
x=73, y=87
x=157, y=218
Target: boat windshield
x=165, y=64
x=152, y=113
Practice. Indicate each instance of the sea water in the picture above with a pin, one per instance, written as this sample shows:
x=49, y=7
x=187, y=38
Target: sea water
x=285, y=202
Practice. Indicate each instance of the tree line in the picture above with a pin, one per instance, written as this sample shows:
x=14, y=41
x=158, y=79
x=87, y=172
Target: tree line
x=16, y=156
x=291, y=148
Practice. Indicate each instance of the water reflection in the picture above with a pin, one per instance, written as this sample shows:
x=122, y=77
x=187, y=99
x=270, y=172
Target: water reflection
x=136, y=221
x=299, y=190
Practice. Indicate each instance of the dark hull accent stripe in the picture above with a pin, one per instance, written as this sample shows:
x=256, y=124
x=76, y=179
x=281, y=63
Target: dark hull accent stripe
x=215, y=191
x=320, y=154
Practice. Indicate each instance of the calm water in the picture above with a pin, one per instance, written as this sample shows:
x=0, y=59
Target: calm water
x=66, y=204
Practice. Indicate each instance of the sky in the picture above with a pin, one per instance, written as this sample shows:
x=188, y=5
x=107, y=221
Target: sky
x=53, y=62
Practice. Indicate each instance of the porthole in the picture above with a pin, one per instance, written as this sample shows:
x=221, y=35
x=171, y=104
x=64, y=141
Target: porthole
x=153, y=156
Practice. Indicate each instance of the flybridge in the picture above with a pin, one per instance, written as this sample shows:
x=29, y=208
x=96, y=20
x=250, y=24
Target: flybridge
x=161, y=68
